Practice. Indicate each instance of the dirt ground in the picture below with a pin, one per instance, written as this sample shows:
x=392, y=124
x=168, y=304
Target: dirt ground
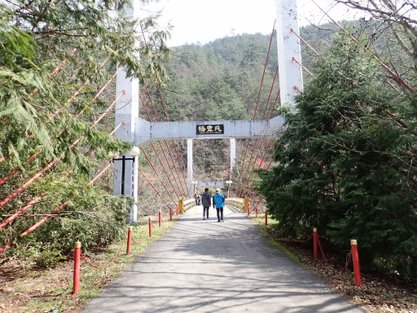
x=377, y=294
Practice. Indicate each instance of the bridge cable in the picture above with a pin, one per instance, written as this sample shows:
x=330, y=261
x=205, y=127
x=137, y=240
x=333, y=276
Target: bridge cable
x=157, y=118
x=154, y=188
x=175, y=143
x=54, y=211
x=156, y=172
x=260, y=143
x=241, y=168
x=157, y=154
x=33, y=157
x=42, y=171
x=166, y=116
x=308, y=71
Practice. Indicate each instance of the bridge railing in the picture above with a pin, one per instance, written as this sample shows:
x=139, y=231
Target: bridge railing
x=184, y=205
x=188, y=203
x=238, y=203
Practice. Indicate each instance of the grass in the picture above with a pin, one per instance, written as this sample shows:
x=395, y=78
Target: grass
x=51, y=290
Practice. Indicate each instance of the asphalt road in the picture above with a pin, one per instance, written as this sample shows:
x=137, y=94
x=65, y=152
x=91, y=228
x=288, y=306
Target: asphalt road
x=206, y=266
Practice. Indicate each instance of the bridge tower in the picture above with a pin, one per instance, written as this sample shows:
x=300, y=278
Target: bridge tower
x=289, y=52
x=126, y=178
x=139, y=131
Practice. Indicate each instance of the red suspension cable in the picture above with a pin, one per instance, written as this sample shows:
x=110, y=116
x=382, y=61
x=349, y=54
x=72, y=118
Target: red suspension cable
x=242, y=166
x=166, y=144
x=19, y=212
x=155, y=189
x=156, y=172
x=163, y=151
x=167, y=118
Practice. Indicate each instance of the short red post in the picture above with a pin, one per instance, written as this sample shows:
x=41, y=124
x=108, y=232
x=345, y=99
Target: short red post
x=256, y=211
x=266, y=217
x=170, y=214
x=77, y=262
x=159, y=218
x=150, y=227
x=355, y=261
x=129, y=240
x=315, y=242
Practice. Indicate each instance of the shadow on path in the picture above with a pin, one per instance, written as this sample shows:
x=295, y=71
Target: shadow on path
x=205, y=266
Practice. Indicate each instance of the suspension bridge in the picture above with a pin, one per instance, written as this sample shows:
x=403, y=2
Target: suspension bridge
x=199, y=266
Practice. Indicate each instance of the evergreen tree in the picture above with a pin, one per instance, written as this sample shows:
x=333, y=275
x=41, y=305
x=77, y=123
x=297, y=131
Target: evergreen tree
x=56, y=56
x=345, y=166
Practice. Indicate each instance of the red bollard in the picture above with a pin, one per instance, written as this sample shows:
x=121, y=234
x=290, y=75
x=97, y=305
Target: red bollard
x=150, y=227
x=256, y=211
x=266, y=217
x=159, y=218
x=77, y=262
x=129, y=240
x=355, y=261
x=315, y=242
x=170, y=214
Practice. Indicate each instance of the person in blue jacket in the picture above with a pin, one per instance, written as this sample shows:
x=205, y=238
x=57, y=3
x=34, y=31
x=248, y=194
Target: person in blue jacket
x=218, y=203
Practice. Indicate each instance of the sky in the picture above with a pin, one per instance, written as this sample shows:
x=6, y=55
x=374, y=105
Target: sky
x=202, y=21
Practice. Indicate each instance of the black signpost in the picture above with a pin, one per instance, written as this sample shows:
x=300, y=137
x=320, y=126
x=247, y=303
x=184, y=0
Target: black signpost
x=122, y=183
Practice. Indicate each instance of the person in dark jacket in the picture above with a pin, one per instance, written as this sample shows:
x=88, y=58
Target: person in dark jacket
x=218, y=203
x=206, y=202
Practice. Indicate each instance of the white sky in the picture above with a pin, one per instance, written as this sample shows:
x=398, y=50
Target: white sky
x=202, y=21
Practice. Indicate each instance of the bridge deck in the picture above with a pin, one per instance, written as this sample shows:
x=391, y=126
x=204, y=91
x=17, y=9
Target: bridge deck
x=205, y=266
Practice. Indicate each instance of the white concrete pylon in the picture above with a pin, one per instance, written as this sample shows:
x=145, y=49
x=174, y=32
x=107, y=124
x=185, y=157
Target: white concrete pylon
x=190, y=173
x=232, y=156
x=126, y=113
x=289, y=52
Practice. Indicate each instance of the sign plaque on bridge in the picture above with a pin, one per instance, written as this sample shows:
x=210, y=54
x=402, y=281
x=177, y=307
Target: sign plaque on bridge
x=215, y=184
x=209, y=129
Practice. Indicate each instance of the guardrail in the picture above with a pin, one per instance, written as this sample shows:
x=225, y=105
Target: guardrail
x=189, y=203
x=237, y=203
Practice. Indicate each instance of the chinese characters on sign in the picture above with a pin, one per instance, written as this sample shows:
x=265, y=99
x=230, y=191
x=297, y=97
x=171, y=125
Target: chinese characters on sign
x=205, y=129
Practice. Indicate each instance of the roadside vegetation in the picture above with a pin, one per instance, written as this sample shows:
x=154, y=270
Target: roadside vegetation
x=25, y=288
x=57, y=69
x=345, y=160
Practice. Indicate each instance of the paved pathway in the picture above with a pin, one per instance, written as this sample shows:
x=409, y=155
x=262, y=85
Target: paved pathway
x=205, y=266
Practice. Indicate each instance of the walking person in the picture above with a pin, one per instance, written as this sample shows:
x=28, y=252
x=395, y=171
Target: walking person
x=218, y=203
x=206, y=202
